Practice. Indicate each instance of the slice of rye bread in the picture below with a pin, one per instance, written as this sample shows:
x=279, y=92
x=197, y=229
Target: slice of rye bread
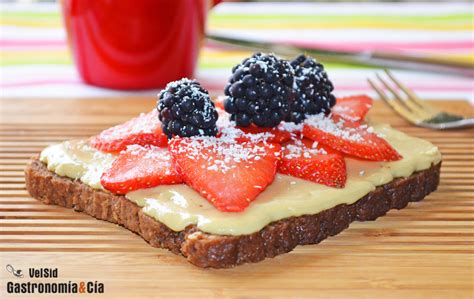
x=219, y=251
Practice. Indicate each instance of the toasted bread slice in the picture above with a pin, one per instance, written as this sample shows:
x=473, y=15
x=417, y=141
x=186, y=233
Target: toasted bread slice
x=219, y=251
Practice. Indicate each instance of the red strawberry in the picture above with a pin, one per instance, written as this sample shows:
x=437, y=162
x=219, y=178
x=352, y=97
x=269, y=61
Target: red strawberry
x=349, y=138
x=223, y=118
x=353, y=108
x=140, y=167
x=228, y=174
x=277, y=135
x=219, y=102
x=144, y=129
x=280, y=134
x=317, y=164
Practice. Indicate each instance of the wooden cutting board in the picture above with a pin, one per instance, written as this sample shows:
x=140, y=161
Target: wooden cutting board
x=423, y=251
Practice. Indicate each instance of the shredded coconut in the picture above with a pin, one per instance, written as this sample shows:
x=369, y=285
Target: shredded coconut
x=134, y=149
x=224, y=119
x=328, y=125
x=224, y=153
x=150, y=152
x=143, y=124
x=346, y=112
x=262, y=65
x=290, y=127
x=229, y=130
x=298, y=149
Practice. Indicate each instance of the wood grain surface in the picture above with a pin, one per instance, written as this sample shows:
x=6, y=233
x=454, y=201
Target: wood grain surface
x=423, y=251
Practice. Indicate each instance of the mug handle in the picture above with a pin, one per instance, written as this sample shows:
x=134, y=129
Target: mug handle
x=215, y=2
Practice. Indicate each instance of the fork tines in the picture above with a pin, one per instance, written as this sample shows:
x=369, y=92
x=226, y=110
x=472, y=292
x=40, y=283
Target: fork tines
x=403, y=100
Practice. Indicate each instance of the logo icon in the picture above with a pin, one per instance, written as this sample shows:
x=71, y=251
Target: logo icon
x=12, y=270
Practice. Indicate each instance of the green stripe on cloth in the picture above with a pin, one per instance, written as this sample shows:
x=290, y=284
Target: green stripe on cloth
x=204, y=62
x=462, y=17
x=55, y=18
x=29, y=14
x=49, y=60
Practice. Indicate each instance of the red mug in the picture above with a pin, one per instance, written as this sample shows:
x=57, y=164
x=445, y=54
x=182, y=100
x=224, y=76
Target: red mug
x=135, y=44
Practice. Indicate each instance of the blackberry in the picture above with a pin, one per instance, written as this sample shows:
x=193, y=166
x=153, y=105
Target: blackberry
x=313, y=89
x=185, y=109
x=259, y=91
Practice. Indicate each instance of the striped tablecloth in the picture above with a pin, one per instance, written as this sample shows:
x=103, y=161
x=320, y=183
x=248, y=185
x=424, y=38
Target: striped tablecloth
x=35, y=61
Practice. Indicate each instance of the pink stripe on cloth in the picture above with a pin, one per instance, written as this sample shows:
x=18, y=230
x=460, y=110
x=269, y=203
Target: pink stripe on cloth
x=415, y=88
x=445, y=47
x=31, y=43
x=41, y=82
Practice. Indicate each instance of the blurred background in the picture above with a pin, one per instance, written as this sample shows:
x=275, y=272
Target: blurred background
x=35, y=60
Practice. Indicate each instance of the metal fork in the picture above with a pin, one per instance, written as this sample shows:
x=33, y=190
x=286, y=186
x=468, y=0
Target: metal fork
x=415, y=110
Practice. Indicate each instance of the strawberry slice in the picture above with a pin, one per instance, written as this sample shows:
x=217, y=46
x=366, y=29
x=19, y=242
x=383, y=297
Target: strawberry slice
x=280, y=134
x=228, y=174
x=308, y=160
x=144, y=129
x=349, y=138
x=219, y=102
x=352, y=108
x=140, y=167
x=275, y=134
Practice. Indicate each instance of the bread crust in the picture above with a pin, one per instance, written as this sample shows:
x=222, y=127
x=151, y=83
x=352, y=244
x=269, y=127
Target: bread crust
x=219, y=251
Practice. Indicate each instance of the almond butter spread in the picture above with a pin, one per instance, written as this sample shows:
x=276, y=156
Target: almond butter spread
x=178, y=206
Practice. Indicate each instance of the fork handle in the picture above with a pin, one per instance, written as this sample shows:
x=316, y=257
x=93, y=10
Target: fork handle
x=459, y=124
